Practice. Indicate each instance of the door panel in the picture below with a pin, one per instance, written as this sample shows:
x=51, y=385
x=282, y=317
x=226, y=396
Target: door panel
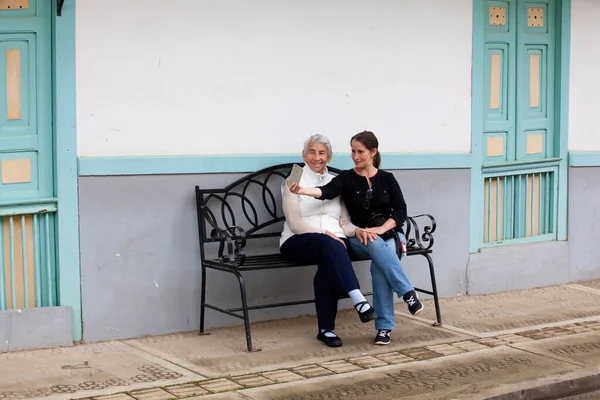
x=535, y=90
x=25, y=115
x=27, y=201
x=499, y=83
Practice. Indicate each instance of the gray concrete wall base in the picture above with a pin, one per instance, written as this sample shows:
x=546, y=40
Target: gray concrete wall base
x=36, y=328
x=501, y=269
x=140, y=254
x=584, y=218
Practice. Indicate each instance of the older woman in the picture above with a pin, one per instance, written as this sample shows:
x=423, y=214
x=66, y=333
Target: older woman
x=316, y=232
x=376, y=204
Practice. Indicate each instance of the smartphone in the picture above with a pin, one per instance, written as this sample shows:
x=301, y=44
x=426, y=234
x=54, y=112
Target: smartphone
x=295, y=175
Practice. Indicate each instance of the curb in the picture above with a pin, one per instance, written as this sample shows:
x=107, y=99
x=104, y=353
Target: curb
x=563, y=389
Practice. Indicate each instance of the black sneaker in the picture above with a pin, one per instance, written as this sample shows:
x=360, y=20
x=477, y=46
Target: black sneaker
x=331, y=341
x=367, y=315
x=414, y=305
x=382, y=337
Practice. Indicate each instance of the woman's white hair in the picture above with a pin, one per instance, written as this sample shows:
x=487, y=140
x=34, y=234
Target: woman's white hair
x=320, y=139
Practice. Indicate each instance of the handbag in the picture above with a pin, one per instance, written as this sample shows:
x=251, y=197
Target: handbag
x=378, y=219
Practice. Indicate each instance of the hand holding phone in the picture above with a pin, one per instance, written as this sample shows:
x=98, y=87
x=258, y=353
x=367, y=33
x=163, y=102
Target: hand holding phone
x=295, y=175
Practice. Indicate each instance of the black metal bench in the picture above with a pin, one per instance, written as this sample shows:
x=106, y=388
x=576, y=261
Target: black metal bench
x=249, y=209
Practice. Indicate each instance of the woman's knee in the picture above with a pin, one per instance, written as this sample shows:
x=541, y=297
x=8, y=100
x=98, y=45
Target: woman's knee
x=328, y=245
x=326, y=240
x=376, y=245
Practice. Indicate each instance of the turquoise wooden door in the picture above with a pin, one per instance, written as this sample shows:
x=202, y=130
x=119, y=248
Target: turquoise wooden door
x=520, y=148
x=27, y=203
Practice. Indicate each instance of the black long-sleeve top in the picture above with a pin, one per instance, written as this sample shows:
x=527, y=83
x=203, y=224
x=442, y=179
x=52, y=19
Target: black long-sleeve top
x=387, y=197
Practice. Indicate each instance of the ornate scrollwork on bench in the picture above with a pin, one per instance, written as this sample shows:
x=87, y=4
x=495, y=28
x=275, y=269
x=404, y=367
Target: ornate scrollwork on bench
x=232, y=238
x=248, y=208
x=416, y=240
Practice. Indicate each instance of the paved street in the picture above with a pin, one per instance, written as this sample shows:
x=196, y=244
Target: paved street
x=489, y=345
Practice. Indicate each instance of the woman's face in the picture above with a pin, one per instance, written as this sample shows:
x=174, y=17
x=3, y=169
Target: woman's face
x=362, y=157
x=316, y=157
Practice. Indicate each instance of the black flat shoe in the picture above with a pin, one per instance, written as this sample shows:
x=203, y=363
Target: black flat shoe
x=365, y=316
x=334, y=341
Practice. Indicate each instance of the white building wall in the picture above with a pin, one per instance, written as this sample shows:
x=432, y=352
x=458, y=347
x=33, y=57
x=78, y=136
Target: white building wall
x=584, y=131
x=236, y=77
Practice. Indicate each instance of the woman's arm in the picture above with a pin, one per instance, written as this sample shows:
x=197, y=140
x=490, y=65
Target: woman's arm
x=312, y=192
x=350, y=230
x=348, y=227
x=330, y=191
x=291, y=210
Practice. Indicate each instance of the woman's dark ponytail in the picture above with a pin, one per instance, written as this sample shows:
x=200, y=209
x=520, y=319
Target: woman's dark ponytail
x=369, y=140
x=377, y=160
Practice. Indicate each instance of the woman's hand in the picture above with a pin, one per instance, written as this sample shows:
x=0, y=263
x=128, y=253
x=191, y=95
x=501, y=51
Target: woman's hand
x=331, y=235
x=377, y=230
x=296, y=188
x=365, y=235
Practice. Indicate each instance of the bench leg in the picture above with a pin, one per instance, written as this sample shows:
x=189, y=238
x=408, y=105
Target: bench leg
x=245, y=309
x=203, y=299
x=436, y=299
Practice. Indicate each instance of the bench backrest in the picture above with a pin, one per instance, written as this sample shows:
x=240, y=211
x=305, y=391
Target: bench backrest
x=253, y=203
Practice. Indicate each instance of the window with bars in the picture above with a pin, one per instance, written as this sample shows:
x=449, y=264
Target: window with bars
x=520, y=205
x=27, y=260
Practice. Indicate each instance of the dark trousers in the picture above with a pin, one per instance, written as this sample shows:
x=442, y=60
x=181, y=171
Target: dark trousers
x=335, y=275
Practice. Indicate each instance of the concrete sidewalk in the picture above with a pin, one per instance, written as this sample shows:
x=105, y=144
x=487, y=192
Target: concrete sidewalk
x=489, y=345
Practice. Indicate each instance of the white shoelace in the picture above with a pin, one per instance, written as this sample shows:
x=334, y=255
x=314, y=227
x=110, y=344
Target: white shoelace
x=411, y=301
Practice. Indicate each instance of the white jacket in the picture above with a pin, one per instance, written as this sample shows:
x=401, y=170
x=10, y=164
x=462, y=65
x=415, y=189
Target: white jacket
x=305, y=214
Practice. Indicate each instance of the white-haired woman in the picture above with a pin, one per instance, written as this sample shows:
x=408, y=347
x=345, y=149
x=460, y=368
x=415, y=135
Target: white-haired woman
x=316, y=232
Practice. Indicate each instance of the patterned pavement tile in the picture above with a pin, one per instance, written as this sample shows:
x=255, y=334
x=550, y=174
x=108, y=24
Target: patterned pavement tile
x=490, y=342
x=394, y=358
x=187, y=390
x=510, y=338
x=282, y=376
x=446, y=349
x=120, y=396
x=253, y=380
x=311, y=371
x=219, y=385
x=469, y=345
x=340, y=366
x=420, y=353
x=152, y=394
x=367, y=362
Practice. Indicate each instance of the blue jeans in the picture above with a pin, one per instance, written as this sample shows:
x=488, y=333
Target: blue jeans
x=387, y=276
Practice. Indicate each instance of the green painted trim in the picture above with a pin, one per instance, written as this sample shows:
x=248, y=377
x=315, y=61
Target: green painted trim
x=584, y=158
x=476, y=220
x=102, y=166
x=563, y=75
x=523, y=166
x=69, y=279
x=525, y=240
x=38, y=208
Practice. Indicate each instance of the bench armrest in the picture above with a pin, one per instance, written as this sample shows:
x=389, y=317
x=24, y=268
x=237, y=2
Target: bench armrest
x=234, y=244
x=416, y=240
x=233, y=239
